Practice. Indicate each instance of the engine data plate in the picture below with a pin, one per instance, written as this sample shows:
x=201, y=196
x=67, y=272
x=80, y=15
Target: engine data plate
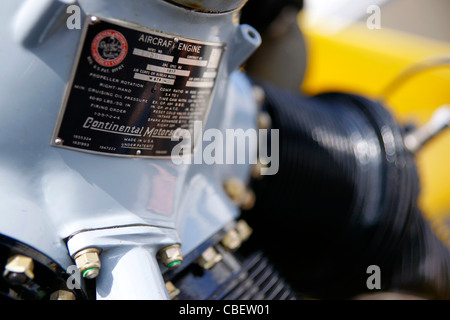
x=132, y=88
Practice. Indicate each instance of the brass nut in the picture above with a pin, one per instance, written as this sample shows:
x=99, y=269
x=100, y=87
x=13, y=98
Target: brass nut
x=249, y=200
x=19, y=270
x=264, y=120
x=172, y=290
x=88, y=261
x=171, y=256
x=231, y=240
x=239, y=194
x=234, y=238
x=257, y=169
x=244, y=230
x=209, y=258
x=62, y=295
x=235, y=189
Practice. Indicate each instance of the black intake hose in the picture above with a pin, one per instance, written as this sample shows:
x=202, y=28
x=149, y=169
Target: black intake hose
x=345, y=198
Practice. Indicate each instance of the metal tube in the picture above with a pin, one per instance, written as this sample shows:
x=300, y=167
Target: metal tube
x=440, y=120
x=135, y=272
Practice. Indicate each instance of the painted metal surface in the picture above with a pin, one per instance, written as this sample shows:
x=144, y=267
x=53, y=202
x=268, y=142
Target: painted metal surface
x=49, y=193
x=211, y=6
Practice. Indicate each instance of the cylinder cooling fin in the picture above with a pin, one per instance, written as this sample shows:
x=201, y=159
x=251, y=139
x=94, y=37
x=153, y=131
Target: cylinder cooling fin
x=345, y=198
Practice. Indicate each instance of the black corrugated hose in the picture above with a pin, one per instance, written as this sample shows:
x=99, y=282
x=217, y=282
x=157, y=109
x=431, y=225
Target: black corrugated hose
x=345, y=198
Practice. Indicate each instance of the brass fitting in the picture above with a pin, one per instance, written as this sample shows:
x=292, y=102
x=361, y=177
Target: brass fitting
x=172, y=290
x=231, y=240
x=256, y=170
x=244, y=230
x=88, y=261
x=171, y=256
x=62, y=295
x=239, y=194
x=19, y=269
x=235, y=189
x=249, y=200
x=264, y=120
x=209, y=258
x=234, y=238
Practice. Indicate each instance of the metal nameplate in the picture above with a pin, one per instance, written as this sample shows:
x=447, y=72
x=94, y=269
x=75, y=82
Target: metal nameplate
x=132, y=88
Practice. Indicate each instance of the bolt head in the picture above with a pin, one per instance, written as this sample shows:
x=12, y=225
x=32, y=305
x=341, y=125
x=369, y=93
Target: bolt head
x=257, y=169
x=231, y=240
x=172, y=290
x=88, y=261
x=235, y=189
x=249, y=200
x=244, y=230
x=264, y=120
x=19, y=270
x=62, y=295
x=171, y=256
x=209, y=258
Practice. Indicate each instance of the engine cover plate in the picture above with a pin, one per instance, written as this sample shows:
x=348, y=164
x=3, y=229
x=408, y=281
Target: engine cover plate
x=132, y=88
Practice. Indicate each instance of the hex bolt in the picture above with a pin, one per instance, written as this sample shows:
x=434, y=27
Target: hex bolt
x=249, y=200
x=62, y=295
x=231, y=240
x=172, y=290
x=235, y=189
x=264, y=120
x=19, y=270
x=209, y=258
x=257, y=169
x=171, y=256
x=243, y=229
x=239, y=194
x=234, y=238
x=88, y=261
